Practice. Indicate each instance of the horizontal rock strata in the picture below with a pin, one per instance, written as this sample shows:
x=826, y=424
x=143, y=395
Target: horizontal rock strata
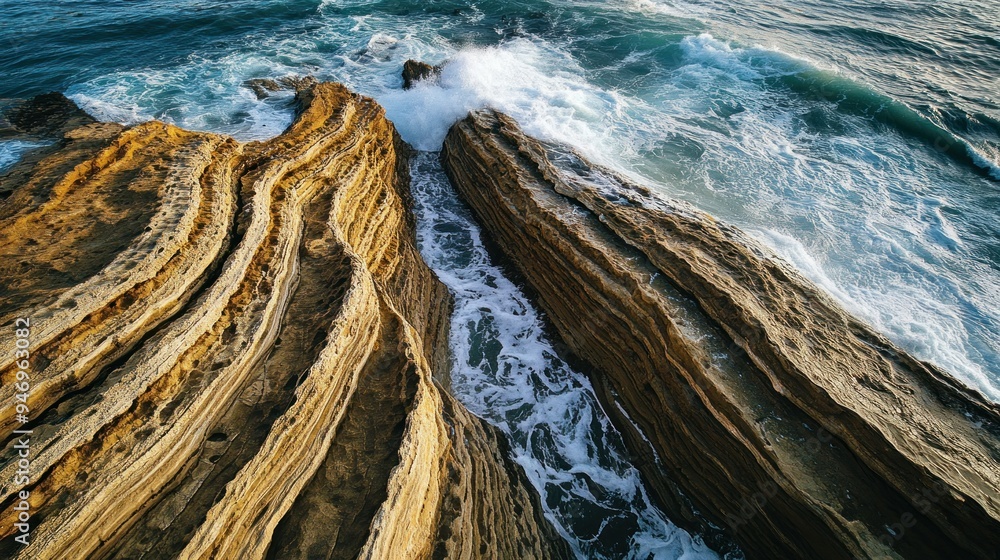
x=233, y=349
x=752, y=401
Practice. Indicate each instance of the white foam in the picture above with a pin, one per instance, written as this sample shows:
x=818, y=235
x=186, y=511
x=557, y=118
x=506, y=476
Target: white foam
x=558, y=431
x=982, y=160
x=672, y=9
x=768, y=61
x=795, y=253
x=204, y=94
x=844, y=196
x=540, y=86
x=861, y=212
x=11, y=151
x=901, y=310
x=110, y=106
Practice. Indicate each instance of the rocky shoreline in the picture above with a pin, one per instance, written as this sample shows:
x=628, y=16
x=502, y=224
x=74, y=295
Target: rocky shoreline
x=234, y=353
x=238, y=351
x=813, y=436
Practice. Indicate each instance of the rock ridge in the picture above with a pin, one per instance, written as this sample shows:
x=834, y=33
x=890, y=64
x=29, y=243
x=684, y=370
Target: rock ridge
x=234, y=349
x=756, y=406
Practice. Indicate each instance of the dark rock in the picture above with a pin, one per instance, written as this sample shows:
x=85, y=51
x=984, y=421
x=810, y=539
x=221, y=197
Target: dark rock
x=415, y=71
x=264, y=87
x=296, y=83
x=49, y=114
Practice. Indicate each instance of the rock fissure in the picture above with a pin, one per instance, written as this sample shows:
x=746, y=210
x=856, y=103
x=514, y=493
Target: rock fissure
x=738, y=383
x=260, y=312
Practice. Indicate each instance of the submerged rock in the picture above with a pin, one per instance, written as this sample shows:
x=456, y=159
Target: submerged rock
x=754, y=403
x=233, y=354
x=264, y=87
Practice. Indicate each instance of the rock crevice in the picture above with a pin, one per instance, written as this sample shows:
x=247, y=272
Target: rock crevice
x=234, y=350
x=754, y=403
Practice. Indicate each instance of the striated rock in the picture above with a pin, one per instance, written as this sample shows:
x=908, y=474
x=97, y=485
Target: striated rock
x=415, y=71
x=233, y=349
x=753, y=402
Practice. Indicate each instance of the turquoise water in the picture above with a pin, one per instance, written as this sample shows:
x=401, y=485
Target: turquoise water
x=859, y=140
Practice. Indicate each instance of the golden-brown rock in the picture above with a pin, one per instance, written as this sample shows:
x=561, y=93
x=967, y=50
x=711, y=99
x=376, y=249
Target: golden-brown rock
x=769, y=411
x=233, y=348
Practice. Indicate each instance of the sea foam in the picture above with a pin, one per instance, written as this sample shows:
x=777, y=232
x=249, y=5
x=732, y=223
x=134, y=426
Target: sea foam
x=756, y=136
x=11, y=151
x=507, y=372
x=540, y=86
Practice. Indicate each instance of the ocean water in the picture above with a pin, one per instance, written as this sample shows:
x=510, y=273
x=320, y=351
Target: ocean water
x=508, y=373
x=860, y=140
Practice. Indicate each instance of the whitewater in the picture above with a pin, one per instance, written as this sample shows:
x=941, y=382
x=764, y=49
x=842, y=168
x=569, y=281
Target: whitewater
x=861, y=145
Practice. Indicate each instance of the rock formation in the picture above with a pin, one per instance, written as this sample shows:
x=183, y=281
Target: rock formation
x=264, y=87
x=47, y=115
x=753, y=402
x=233, y=352
x=415, y=71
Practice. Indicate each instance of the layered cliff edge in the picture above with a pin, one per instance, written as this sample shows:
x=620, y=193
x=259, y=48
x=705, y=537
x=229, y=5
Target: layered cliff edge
x=233, y=350
x=758, y=410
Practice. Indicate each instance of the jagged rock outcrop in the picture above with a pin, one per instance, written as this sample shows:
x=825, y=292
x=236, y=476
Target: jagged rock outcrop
x=415, y=71
x=264, y=87
x=753, y=401
x=233, y=350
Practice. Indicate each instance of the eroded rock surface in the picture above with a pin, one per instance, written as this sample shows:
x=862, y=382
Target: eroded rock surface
x=233, y=353
x=415, y=71
x=754, y=403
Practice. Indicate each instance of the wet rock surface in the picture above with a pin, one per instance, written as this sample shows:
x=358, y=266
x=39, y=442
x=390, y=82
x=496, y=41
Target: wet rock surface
x=264, y=87
x=415, y=71
x=50, y=114
x=758, y=409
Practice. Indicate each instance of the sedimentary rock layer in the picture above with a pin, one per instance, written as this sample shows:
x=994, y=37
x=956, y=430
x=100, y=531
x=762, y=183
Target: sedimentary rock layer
x=233, y=350
x=753, y=401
